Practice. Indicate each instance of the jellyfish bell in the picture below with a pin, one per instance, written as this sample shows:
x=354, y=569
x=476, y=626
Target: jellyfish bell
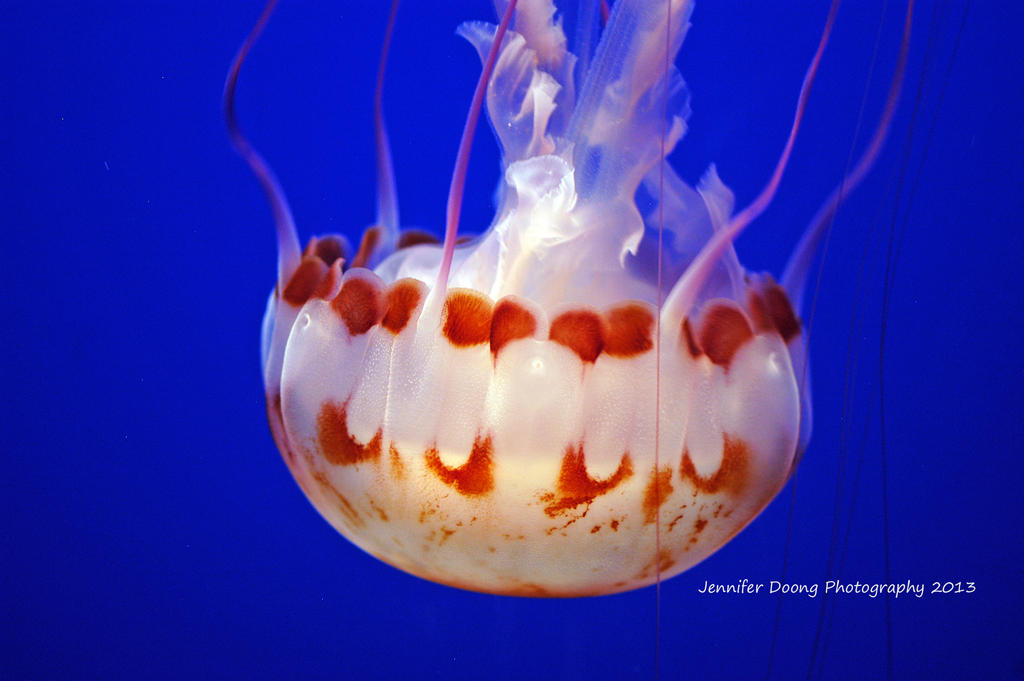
x=592, y=396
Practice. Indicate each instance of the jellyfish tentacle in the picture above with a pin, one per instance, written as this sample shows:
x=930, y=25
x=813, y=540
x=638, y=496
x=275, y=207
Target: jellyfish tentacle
x=387, y=193
x=288, y=255
x=796, y=274
x=458, y=183
x=684, y=293
x=794, y=277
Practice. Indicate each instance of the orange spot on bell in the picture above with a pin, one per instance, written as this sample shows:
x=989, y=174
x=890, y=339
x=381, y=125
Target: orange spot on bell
x=511, y=321
x=575, y=486
x=397, y=467
x=402, y=298
x=473, y=478
x=628, y=332
x=307, y=276
x=467, y=317
x=731, y=476
x=724, y=329
x=662, y=564
x=336, y=443
x=770, y=308
x=360, y=304
x=659, y=487
x=582, y=331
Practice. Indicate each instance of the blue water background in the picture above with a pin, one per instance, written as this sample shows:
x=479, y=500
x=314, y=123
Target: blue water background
x=149, y=528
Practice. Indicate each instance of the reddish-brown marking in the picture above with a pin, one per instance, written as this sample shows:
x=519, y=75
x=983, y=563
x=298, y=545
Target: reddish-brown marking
x=328, y=248
x=473, y=478
x=347, y=509
x=343, y=504
x=304, y=281
x=781, y=311
x=582, y=331
x=699, y=525
x=771, y=310
x=402, y=298
x=663, y=563
x=527, y=591
x=371, y=237
x=467, y=317
x=426, y=511
x=723, y=330
x=575, y=486
x=397, y=467
x=628, y=332
x=595, y=529
x=511, y=321
x=415, y=237
x=758, y=309
x=691, y=342
x=276, y=420
x=336, y=444
x=360, y=304
x=731, y=476
x=328, y=286
x=615, y=525
x=659, y=487
x=380, y=511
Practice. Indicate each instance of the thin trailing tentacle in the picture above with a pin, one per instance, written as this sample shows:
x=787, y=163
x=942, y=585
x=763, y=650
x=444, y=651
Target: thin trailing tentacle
x=681, y=298
x=657, y=381
x=287, y=239
x=462, y=159
x=387, y=194
x=794, y=278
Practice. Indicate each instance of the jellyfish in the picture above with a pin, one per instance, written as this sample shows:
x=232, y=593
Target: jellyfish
x=591, y=396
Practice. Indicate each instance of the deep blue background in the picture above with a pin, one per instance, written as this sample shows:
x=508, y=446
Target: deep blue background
x=150, y=529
